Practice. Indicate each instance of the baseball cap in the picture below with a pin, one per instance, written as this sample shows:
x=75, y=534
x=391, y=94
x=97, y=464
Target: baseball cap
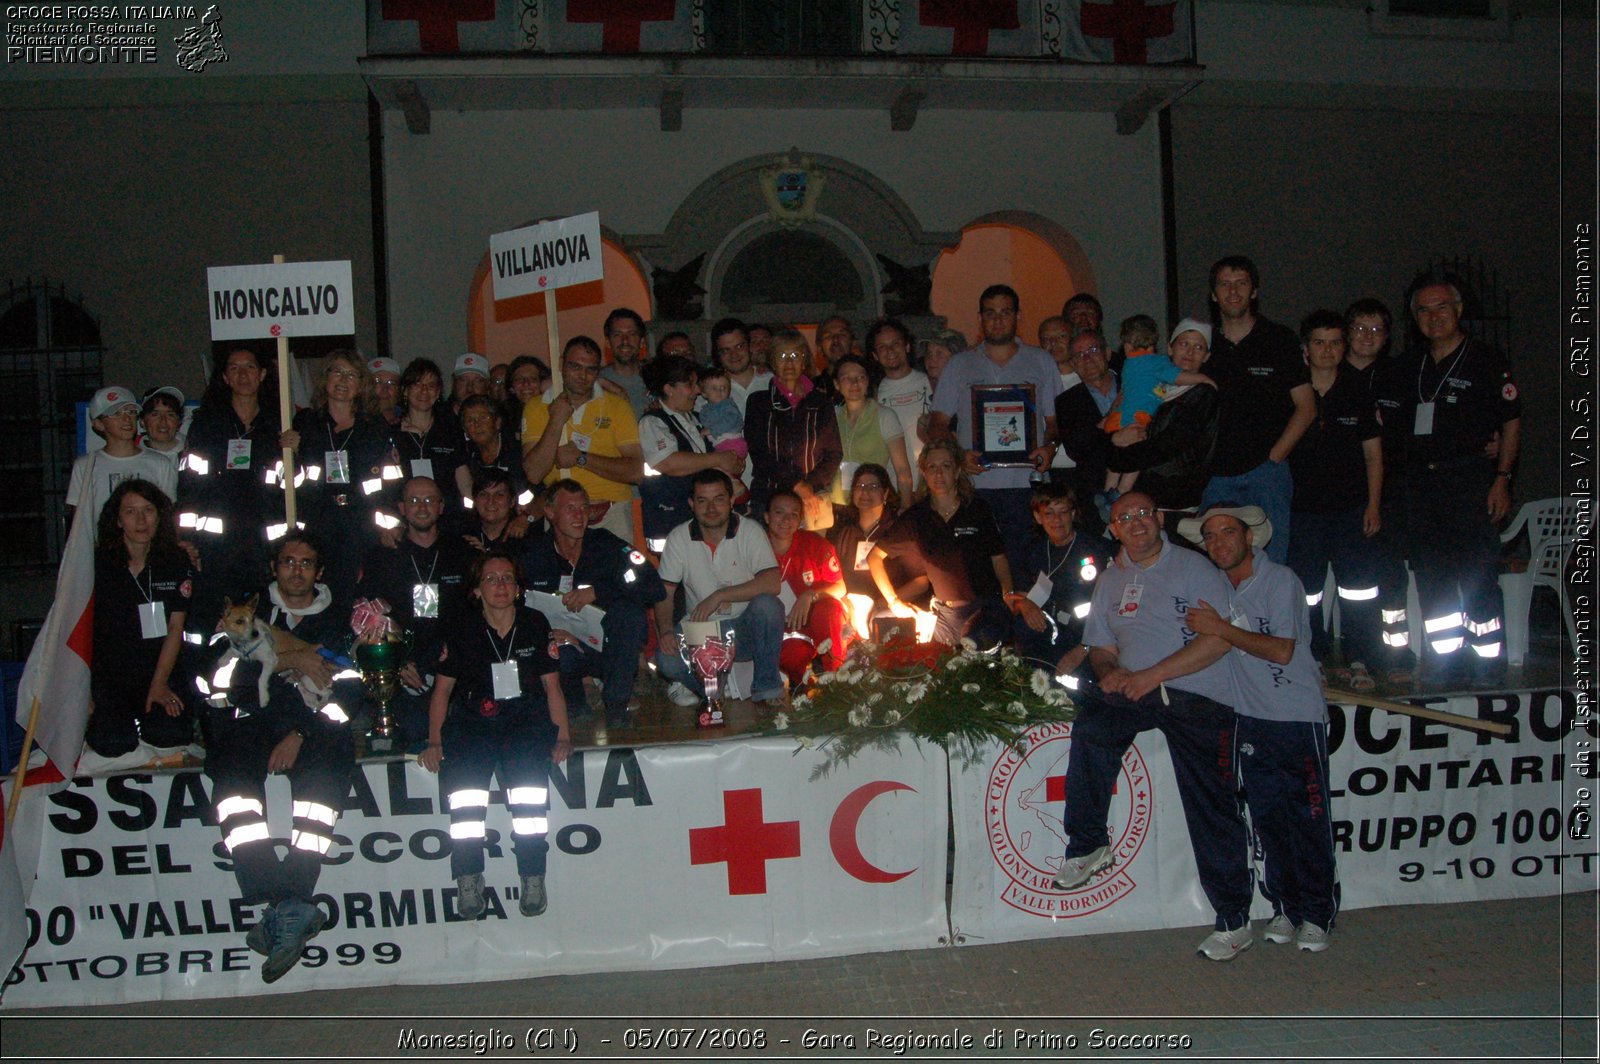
x=1192, y=325
x=165, y=389
x=376, y=366
x=110, y=399
x=471, y=363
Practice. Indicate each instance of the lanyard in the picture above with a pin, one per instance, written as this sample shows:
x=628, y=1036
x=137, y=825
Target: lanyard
x=351, y=431
x=1050, y=570
x=870, y=537
x=150, y=583
x=431, y=567
x=511, y=643
x=1462, y=350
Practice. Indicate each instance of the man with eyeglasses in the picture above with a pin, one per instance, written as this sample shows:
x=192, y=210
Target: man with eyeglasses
x=1459, y=393
x=1155, y=672
x=422, y=579
x=1000, y=359
x=1079, y=409
x=311, y=743
x=580, y=430
x=625, y=335
x=730, y=349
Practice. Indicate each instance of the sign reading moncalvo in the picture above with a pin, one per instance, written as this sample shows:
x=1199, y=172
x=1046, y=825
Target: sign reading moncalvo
x=281, y=299
x=547, y=256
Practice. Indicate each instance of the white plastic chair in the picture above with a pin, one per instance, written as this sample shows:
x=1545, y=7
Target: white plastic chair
x=1551, y=525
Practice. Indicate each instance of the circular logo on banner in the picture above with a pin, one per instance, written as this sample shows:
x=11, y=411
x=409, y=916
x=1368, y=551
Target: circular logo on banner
x=1023, y=803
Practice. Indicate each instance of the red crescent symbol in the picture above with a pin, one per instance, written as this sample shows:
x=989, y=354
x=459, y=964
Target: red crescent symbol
x=842, y=832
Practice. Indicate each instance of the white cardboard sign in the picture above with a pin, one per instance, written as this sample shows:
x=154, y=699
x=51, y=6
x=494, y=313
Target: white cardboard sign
x=547, y=256
x=281, y=299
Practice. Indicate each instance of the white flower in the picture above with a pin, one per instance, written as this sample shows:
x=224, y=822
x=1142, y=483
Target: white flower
x=955, y=663
x=971, y=688
x=858, y=717
x=874, y=698
x=892, y=717
x=1018, y=711
x=781, y=722
x=1057, y=697
x=824, y=646
x=800, y=702
x=915, y=692
x=968, y=646
x=1040, y=682
x=804, y=740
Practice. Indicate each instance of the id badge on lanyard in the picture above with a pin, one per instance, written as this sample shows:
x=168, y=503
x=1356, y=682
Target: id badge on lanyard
x=1129, y=606
x=238, y=454
x=422, y=467
x=1424, y=423
x=337, y=465
x=506, y=680
x=153, y=619
x=863, y=552
x=425, y=600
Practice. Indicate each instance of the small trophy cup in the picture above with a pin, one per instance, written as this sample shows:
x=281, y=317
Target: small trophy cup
x=710, y=658
x=381, y=651
x=380, y=665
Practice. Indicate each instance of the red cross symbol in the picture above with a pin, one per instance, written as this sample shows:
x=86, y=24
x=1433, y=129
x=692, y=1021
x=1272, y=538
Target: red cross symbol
x=622, y=19
x=972, y=20
x=745, y=841
x=436, y=19
x=1129, y=23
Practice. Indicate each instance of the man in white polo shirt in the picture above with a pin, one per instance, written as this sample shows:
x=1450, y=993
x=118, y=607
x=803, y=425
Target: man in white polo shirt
x=729, y=575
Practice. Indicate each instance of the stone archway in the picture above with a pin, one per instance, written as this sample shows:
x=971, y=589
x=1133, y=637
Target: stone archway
x=733, y=244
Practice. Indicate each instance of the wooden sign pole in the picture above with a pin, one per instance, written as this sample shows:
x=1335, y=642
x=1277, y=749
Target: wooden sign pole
x=285, y=420
x=1493, y=727
x=552, y=331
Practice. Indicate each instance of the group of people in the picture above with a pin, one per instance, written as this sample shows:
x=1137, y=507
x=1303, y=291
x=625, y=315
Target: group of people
x=802, y=498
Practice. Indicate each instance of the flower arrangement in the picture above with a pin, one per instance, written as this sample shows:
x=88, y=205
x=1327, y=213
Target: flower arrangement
x=960, y=698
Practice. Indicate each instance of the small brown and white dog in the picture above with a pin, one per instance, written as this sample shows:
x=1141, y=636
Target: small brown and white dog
x=252, y=638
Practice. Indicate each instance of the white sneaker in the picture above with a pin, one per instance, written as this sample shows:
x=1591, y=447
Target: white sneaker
x=1311, y=938
x=1279, y=930
x=681, y=695
x=1226, y=945
x=1076, y=871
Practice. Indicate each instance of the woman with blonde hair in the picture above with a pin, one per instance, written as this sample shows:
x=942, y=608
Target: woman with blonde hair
x=949, y=534
x=344, y=458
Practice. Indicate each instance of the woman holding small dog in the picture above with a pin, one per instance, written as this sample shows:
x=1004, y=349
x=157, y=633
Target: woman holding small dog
x=510, y=722
x=142, y=584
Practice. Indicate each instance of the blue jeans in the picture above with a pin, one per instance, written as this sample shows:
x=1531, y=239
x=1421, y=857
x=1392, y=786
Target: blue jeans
x=1013, y=514
x=757, y=635
x=626, y=632
x=1269, y=486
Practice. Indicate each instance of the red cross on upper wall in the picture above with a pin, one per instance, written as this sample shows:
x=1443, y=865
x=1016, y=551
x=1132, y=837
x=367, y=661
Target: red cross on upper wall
x=623, y=19
x=1129, y=23
x=972, y=20
x=437, y=19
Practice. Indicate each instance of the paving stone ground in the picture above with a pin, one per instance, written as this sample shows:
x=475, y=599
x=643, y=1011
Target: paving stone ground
x=1471, y=981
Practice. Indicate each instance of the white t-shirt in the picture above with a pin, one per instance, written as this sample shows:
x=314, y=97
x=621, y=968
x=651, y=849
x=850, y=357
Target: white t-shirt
x=907, y=399
x=105, y=472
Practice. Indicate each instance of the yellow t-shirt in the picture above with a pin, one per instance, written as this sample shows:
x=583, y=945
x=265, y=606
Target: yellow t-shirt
x=601, y=426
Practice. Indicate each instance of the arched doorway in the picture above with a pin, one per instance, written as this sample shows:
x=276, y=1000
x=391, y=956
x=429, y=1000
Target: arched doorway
x=1032, y=254
x=501, y=330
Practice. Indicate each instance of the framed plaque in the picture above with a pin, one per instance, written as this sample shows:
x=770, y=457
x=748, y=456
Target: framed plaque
x=1003, y=425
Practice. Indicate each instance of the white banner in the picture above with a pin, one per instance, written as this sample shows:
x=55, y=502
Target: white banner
x=547, y=256
x=1422, y=812
x=661, y=857
x=281, y=299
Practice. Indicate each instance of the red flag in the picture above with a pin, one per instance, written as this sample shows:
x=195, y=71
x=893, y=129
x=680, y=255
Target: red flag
x=57, y=673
